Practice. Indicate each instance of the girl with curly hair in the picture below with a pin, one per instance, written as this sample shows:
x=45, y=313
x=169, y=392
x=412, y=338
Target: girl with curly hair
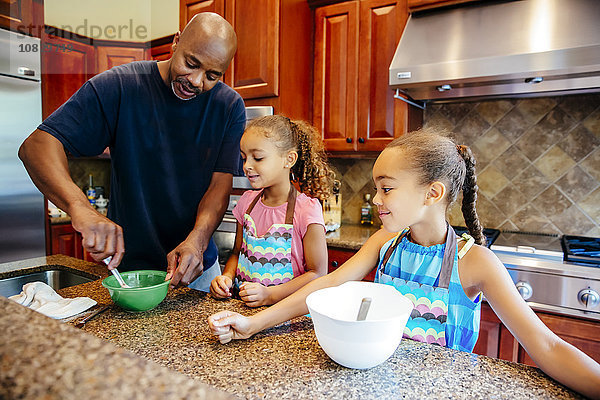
x=280, y=241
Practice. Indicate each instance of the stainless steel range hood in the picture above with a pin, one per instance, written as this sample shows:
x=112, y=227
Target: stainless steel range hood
x=500, y=49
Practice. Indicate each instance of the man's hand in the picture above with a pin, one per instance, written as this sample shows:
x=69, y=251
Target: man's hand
x=101, y=237
x=228, y=325
x=185, y=263
x=219, y=287
x=255, y=294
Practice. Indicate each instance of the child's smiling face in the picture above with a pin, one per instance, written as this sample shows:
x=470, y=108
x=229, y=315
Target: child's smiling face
x=264, y=163
x=400, y=199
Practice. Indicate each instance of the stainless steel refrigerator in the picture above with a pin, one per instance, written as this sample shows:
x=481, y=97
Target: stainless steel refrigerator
x=21, y=204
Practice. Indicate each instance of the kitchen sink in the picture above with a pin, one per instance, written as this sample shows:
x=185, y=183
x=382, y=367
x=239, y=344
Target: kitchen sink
x=55, y=278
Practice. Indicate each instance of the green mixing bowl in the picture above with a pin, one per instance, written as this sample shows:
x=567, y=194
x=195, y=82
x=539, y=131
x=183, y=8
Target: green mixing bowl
x=148, y=289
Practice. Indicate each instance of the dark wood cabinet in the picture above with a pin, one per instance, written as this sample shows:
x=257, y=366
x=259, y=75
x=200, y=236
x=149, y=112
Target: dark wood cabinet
x=495, y=340
x=254, y=70
x=67, y=64
x=490, y=328
x=353, y=106
x=111, y=56
x=161, y=52
x=24, y=16
x=189, y=8
x=67, y=241
x=338, y=256
x=581, y=333
x=335, y=74
x=64, y=69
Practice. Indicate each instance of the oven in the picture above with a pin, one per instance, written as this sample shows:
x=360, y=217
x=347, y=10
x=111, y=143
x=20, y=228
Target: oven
x=224, y=235
x=547, y=278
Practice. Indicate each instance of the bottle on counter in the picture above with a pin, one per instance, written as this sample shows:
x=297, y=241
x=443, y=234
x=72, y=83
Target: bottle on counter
x=90, y=192
x=366, y=211
x=101, y=204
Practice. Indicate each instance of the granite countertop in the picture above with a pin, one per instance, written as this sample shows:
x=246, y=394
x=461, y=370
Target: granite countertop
x=350, y=236
x=59, y=220
x=282, y=362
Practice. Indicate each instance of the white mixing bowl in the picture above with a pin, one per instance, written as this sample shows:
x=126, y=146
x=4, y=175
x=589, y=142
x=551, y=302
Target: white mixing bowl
x=359, y=344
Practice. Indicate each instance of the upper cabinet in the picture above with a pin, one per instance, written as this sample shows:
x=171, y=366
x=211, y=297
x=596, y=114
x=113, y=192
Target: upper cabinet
x=161, y=52
x=189, y=8
x=418, y=5
x=353, y=106
x=111, y=56
x=25, y=16
x=254, y=70
x=70, y=63
x=273, y=64
x=336, y=74
x=65, y=68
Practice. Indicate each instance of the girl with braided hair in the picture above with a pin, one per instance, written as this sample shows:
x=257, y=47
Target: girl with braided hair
x=280, y=242
x=417, y=177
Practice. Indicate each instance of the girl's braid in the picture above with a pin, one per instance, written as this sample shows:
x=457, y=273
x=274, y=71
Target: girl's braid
x=470, y=196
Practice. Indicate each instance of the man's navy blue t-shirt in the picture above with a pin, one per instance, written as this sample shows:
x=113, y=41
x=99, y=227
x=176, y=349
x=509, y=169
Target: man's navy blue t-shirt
x=163, y=151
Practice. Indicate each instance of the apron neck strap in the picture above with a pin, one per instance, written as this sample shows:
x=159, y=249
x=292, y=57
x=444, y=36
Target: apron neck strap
x=447, y=260
x=392, y=247
x=291, y=204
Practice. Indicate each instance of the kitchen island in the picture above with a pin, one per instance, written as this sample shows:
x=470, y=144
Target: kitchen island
x=282, y=362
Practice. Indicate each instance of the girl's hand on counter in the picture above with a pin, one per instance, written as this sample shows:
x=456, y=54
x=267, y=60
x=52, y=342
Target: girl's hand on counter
x=255, y=294
x=229, y=325
x=220, y=287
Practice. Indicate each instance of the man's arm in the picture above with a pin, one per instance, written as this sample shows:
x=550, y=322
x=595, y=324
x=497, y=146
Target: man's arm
x=185, y=262
x=44, y=158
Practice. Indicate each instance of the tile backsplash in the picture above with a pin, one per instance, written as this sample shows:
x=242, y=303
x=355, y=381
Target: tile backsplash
x=538, y=163
x=81, y=168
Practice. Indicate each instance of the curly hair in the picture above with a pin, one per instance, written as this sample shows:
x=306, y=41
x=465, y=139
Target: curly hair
x=311, y=171
x=436, y=157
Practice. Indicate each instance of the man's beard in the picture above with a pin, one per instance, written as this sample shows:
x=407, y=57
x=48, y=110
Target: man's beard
x=183, y=82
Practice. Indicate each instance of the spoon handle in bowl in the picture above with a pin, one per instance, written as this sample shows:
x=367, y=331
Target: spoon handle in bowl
x=364, y=309
x=116, y=274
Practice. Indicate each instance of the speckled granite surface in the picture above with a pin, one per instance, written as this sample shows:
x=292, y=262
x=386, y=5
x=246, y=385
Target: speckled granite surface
x=38, y=264
x=282, y=362
x=350, y=236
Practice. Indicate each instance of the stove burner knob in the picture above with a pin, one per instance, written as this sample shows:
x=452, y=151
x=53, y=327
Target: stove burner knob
x=589, y=298
x=525, y=290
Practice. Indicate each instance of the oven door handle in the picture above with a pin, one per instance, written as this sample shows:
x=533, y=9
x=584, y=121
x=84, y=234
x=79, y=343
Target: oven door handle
x=525, y=249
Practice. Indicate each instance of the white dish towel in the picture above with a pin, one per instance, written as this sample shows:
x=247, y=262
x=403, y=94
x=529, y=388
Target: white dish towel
x=42, y=298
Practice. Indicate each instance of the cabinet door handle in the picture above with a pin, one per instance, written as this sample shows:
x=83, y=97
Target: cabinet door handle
x=361, y=140
x=348, y=140
x=334, y=264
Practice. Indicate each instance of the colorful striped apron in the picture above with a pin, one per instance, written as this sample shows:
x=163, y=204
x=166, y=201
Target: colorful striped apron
x=267, y=259
x=427, y=322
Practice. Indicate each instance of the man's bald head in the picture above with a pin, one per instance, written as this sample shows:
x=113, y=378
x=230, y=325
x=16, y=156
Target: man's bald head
x=201, y=55
x=212, y=27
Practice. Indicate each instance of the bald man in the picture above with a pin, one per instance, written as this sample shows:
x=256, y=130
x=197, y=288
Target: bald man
x=173, y=130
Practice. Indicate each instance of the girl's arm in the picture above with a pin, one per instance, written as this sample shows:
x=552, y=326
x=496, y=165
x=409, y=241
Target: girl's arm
x=220, y=285
x=232, y=262
x=483, y=271
x=315, y=254
x=228, y=325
